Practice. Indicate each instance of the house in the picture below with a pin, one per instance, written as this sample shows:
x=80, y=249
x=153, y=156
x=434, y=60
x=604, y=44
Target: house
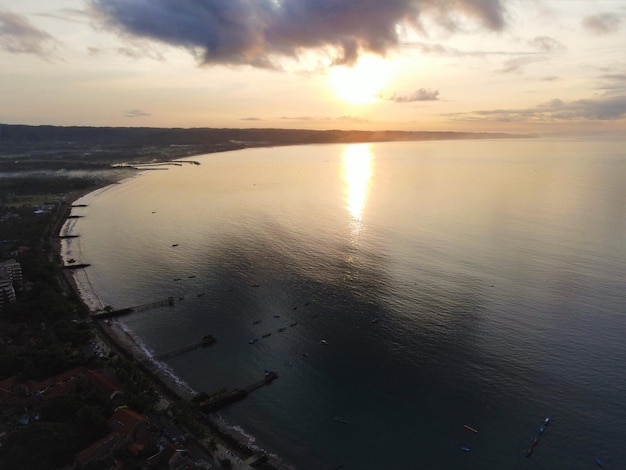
x=60, y=384
x=99, y=450
x=106, y=386
x=128, y=428
x=128, y=423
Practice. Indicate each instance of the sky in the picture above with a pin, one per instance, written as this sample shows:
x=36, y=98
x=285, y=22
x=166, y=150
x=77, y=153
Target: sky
x=540, y=66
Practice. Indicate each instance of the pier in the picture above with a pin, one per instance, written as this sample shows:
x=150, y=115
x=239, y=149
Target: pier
x=159, y=303
x=206, y=341
x=75, y=266
x=138, y=308
x=67, y=236
x=227, y=398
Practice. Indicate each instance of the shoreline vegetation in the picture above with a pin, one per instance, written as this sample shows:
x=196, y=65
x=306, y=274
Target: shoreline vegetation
x=67, y=164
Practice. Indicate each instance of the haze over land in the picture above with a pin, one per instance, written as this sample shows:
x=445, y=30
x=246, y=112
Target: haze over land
x=490, y=66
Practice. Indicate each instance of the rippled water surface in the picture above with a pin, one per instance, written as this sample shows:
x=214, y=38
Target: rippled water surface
x=409, y=289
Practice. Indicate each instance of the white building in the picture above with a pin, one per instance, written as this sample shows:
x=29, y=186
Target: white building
x=15, y=271
x=7, y=293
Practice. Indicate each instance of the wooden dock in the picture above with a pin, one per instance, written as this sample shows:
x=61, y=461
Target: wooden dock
x=206, y=341
x=75, y=266
x=138, y=308
x=227, y=398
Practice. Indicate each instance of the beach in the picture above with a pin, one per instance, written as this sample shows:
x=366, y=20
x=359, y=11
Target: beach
x=111, y=334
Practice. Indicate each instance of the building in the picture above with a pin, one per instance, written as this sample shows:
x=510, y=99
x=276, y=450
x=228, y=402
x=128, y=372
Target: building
x=127, y=428
x=15, y=272
x=7, y=292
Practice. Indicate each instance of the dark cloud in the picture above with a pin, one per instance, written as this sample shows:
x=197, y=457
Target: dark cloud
x=135, y=113
x=20, y=36
x=603, y=23
x=423, y=94
x=258, y=32
x=602, y=108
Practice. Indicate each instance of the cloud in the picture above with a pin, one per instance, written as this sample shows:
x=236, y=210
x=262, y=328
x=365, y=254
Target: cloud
x=613, y=83
x=135, y=113
x=602, y=23
x=517, y=64
x=251, y=118
x=423, y=94
x=546, y=44
x=344, y=118
x=601, y=108
x=20, y=36
x=258, y=32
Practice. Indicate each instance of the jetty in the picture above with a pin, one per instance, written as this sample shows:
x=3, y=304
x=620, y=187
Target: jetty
x=206, y=341
x=138, y=308
x=67, y=236
x=75, y=266
x=227, y=398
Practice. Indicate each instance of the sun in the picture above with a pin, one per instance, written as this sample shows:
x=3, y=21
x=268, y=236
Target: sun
x=361, y=83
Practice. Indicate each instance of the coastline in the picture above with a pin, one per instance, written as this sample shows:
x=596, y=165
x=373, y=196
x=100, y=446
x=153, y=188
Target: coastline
x=120, y=339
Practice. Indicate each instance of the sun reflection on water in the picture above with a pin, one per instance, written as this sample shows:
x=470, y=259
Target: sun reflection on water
x=357, y=163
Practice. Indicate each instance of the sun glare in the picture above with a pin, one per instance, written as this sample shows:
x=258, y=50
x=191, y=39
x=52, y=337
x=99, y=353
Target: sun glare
x=361, y=83
x=356, y=173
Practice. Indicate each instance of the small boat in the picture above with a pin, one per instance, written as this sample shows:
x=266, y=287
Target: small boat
x=542, y=429
x=266, y=335
x=375, y=320
x=256, y=322
x=253, y=340
x=323, y=341
x=465, y=449
x=191, y=277
x=547, y=421
x=175, y=244
x=529, y=452
x=534, y=442
x=276, y=316
x=280, y=330
x=294, y=323
x=295, y=308
x=341, y=420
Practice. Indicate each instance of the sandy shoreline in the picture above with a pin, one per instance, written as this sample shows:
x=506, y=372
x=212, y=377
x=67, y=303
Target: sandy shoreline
x=113, y=331
x=119, y=338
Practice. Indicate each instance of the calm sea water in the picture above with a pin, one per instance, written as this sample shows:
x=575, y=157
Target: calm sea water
x=422, y=286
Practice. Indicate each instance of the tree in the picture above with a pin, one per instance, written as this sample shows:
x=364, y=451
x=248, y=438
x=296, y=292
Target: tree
x=39, y=446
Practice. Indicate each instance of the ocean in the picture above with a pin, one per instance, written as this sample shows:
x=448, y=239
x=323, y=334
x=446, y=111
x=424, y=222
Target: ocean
x=404, y=292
